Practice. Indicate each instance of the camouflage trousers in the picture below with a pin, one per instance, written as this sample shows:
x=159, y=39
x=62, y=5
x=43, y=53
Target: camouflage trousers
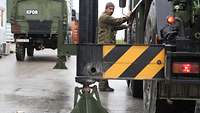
x=103, y=84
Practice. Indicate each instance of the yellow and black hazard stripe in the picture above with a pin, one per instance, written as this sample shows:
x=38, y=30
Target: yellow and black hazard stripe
x=136, y=62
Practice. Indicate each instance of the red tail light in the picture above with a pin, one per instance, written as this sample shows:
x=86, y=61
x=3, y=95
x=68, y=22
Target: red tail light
x=185, y=67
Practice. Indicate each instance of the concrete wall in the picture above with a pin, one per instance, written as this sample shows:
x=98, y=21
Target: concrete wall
x=2, y=20
x=5, y=28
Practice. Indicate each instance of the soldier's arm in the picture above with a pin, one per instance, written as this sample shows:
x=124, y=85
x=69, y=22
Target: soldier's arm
x=120, y=27
x=114, y=21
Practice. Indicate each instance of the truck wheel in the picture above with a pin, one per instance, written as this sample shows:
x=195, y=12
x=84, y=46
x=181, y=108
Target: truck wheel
x=128, y=82
x=20, y=51
x=150, y=96
x=152, y=104
x=136, y=88
x=176, y=106
x=30, y=51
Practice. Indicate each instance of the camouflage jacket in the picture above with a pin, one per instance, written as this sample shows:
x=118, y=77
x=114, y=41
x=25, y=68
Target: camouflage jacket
x=108, y=27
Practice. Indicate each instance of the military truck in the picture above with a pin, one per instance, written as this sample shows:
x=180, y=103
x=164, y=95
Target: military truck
x=35, y=24
x=174, y=24
x=167, y=28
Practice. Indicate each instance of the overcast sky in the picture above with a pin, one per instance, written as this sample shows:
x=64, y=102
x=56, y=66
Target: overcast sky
x=102, y=3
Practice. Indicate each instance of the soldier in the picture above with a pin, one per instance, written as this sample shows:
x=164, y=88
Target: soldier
x=107, y=29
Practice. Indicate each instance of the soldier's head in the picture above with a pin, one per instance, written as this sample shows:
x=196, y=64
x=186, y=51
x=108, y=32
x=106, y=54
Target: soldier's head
x=109, y=9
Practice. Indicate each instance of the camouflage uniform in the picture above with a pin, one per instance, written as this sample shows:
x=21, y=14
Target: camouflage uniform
x=107, y=30
x=108, y=27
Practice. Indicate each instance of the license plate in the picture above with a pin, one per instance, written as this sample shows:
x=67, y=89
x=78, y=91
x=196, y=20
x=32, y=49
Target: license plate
x=22, y=40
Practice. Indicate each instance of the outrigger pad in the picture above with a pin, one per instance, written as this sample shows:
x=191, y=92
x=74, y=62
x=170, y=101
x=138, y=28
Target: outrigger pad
x=88, y=103
x=60, y=64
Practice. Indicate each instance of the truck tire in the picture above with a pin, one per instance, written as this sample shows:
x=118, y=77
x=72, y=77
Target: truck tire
x=30, y=51
x=137, y=88
x=153, y=104
x=128, y=82
x=176, y=106
x=20, y=51
x=150, y=96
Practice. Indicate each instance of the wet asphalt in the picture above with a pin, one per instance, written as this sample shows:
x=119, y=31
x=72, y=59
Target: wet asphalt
x=33, y=86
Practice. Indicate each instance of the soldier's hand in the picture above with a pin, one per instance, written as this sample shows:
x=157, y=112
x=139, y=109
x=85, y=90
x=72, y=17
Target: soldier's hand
x=128, y=15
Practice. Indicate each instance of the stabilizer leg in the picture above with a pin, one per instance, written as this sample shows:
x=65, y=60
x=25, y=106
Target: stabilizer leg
x=60, y=64
x=88, y=102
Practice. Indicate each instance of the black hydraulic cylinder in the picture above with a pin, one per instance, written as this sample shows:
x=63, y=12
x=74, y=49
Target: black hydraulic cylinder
x=88, y=18
x=88, y=22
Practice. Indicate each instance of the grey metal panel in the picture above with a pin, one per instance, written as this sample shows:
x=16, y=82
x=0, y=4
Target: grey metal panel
x=89, y=60
x=163, y=9
x=88, y=15
x=150, y=23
